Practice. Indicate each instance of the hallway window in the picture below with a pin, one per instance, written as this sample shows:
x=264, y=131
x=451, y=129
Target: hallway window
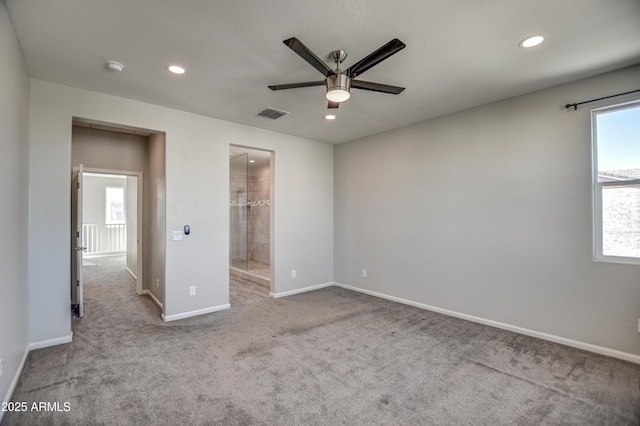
x=114, y=212
x=616, y=182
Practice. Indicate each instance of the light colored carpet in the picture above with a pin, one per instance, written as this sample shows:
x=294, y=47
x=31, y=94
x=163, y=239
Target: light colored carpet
x=326, y=357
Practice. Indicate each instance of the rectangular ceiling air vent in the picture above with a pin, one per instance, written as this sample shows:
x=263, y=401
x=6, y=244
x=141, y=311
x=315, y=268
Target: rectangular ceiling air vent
x=272, y=113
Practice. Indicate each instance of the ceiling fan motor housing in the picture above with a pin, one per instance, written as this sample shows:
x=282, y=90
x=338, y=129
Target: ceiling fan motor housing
x=338, y=87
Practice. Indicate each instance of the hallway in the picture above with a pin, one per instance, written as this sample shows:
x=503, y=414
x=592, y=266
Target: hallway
x=110, y=296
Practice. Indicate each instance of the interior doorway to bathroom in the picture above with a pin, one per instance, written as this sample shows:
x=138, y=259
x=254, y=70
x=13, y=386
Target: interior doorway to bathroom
x=250, y=218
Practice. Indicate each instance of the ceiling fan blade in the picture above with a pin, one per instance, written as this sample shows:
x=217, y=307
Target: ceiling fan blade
x=333, y=104
x=394, y=46
x=296, y=85
x=376, y=87
x=306, y=54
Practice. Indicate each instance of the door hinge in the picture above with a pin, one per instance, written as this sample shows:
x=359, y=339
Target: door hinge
x=78, y=185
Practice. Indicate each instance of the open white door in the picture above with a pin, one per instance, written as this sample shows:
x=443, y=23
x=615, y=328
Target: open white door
x=77, y=249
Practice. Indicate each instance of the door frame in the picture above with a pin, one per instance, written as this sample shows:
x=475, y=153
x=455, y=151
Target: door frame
x=77, y=250
x=139, y=228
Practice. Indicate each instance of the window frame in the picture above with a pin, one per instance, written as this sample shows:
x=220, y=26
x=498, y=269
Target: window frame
x=107, y=214
x=598, y=187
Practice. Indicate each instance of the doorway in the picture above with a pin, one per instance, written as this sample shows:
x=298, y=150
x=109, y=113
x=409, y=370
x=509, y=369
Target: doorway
x=106, y=220
x=124, y=231
x=250, y=224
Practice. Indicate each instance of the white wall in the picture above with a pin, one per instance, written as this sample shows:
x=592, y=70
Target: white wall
x=94, y=197
x=131, y=211
x=487, y=213
x=197, y=190
x=14, y=190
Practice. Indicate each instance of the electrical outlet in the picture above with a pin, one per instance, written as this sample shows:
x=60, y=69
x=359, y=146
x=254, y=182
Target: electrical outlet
x=192, y=290
x=1, y=371
x=293, y=273
x=157, y=282
x=364, y=273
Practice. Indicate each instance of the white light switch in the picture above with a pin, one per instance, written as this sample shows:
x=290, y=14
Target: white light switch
x=177, y=236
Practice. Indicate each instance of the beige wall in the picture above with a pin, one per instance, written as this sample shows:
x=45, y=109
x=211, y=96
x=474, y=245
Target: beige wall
x=487, y=213
x=155, y=233
x=108, y=150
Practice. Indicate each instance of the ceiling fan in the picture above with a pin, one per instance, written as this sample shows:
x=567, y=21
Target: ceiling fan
x=339, y=82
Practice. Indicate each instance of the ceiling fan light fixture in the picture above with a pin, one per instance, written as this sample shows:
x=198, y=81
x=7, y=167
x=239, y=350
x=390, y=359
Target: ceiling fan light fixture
x=338, y=88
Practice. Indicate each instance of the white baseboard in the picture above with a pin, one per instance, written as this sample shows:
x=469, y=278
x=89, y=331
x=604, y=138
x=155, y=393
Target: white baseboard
x=156, y=301
x=300, y=290
x=131, y=273
x=14, y=382
x=104, y=254
x=540, y=335
x=167, y=318
x=51, y=342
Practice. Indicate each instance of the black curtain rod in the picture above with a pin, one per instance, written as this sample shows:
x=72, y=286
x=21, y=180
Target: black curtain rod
x=575, y=106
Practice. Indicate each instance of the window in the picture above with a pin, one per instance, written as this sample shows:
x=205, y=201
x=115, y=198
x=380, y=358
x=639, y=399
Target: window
x=616, y=182
x=114, y=212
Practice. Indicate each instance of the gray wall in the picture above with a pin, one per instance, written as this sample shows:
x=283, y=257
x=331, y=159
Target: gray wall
x=14, y=190
x=487, y=213
x=196, y=183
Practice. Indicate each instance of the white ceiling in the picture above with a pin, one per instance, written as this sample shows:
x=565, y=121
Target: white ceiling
x=459, y=54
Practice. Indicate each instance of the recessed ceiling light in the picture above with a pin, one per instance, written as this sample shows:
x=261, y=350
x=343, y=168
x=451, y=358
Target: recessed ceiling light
x=252, y=161
x=176, y=69
x=115, y=66
x=531, y=41
x=330, y=117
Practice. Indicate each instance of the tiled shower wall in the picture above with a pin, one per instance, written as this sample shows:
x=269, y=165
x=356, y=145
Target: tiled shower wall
x=259, y=196
x=238, y=219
